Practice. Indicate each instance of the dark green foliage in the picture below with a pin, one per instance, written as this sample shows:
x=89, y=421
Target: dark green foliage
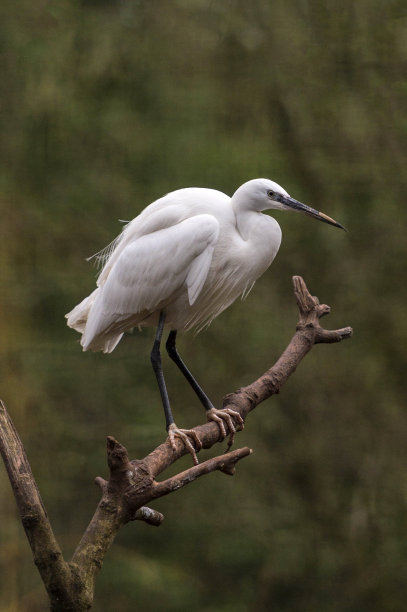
x=106, y=106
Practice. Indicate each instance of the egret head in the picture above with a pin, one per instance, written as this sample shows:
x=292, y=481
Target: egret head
x=263, y=194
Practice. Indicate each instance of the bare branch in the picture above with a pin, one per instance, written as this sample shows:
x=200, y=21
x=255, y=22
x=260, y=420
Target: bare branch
x=132, y=483
x=225, y=463
x=55, y=572
x=308, y=333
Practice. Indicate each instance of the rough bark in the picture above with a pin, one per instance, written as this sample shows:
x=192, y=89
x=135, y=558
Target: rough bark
x=132, y=484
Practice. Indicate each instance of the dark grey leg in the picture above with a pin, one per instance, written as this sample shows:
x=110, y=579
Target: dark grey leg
x=173, y=353
x=186, y=435
x=220, y=417
x=158, y=371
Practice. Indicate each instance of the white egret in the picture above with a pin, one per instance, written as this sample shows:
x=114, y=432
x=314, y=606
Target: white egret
x=180, y=263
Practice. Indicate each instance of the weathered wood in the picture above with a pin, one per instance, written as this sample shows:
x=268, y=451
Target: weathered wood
x=56, y=574
x=132, y=483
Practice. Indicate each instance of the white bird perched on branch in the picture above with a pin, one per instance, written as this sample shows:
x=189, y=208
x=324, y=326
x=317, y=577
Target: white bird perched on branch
x=180, y=263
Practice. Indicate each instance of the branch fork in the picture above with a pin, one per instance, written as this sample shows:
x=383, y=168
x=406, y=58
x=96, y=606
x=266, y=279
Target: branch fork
x=132, y=484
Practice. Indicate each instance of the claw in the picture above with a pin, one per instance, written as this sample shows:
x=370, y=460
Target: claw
x=185, y=435
x=226, y=414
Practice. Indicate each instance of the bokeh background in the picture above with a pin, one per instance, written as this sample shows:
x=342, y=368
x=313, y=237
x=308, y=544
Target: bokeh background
x=107, y=105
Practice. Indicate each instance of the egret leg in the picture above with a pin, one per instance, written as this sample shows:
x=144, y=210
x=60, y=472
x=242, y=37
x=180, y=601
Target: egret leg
x=219, y=416
x=173, y=430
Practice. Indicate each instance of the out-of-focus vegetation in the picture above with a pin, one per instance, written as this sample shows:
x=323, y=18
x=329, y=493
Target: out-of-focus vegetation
x=106, y=105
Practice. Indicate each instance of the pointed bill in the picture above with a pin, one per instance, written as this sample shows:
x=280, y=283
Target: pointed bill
x=292, y=204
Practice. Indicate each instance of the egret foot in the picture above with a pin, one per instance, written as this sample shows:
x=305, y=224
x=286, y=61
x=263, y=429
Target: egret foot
x=226, y=415
x=186, y=435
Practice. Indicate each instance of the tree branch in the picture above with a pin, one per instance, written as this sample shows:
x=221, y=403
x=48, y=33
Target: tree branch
x=56, y=574
x=132, y=483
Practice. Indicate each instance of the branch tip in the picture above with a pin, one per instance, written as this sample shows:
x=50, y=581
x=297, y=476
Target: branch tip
x=323, y=309
x=329, y=336
x=117, y=455
x=305, y=301
x=149, y=516
x=110, y=441
x=101, y=483
x=228, y=466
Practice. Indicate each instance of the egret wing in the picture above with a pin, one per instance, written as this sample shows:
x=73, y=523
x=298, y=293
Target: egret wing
x=134, y=230
x=163, y=213
x=152, y=271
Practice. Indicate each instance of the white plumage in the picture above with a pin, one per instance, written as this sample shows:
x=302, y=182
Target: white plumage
x=180, y=263
x=190, y=254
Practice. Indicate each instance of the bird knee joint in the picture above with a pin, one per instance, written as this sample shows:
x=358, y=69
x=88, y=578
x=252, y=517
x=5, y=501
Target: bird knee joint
x=171, y=350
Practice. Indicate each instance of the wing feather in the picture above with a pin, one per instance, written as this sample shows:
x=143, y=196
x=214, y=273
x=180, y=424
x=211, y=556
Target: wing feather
x=150, y=272
x=198, y=273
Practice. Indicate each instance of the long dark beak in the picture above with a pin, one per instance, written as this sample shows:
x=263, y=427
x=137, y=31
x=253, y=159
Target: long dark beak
x=295, y=205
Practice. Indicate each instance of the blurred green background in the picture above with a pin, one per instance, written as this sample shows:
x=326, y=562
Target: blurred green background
x=107, y=105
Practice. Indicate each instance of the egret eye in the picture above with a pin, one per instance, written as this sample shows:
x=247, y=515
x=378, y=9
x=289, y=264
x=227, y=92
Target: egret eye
x=270, y=193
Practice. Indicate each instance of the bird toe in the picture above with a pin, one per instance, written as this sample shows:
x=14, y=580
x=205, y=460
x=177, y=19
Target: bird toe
x=190, y=439
x=232, y=418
